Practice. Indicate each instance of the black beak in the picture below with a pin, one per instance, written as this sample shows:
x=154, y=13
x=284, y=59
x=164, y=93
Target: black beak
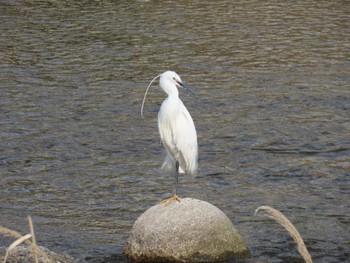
x=186, y=88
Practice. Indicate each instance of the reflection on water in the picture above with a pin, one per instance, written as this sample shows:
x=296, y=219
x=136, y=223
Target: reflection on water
x=272, y=118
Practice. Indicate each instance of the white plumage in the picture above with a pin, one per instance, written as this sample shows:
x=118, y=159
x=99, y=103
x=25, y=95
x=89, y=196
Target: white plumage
x=176, y=127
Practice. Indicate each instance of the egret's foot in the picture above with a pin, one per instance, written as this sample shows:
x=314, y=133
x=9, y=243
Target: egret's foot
x=168, y=201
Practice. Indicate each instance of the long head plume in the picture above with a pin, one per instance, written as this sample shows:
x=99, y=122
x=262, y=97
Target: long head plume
x=283, y=221
x=144, y=97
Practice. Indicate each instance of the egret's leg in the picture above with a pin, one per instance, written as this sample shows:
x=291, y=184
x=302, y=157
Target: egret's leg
x=177, y=165
x=174, y=197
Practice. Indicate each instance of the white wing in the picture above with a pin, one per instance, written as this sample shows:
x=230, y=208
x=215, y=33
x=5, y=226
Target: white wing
x=178, y=134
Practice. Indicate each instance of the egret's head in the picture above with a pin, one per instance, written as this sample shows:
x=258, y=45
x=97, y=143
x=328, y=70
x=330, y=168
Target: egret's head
x=172, y=77
x=168, y=81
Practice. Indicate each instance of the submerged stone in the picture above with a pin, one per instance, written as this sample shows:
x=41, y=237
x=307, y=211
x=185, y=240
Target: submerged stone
x=24, y=254
x=188, y=231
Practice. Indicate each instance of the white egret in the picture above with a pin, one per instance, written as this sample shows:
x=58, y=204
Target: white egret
x=176, y=129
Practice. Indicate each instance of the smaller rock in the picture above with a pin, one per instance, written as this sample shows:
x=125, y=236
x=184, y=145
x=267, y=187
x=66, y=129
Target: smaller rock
x=188, y=231
x=23, y=254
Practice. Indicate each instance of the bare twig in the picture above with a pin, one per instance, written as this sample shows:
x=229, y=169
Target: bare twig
x=284, y=221
x=36, y=250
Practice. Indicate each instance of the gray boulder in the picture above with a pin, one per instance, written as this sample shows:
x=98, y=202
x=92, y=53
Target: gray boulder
x=188, y=231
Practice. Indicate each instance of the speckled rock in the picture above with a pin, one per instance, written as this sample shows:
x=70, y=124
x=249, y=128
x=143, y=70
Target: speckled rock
x=23, y=254
x=188, y=231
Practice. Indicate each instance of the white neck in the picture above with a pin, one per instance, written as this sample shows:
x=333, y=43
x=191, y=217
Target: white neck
x=169, y=88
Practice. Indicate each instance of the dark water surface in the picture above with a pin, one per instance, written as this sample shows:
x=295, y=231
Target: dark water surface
x=272, y=117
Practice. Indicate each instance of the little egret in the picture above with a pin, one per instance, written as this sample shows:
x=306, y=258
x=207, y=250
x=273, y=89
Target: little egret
x=176, y=129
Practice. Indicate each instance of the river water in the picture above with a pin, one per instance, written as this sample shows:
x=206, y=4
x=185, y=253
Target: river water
x=272, y=117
